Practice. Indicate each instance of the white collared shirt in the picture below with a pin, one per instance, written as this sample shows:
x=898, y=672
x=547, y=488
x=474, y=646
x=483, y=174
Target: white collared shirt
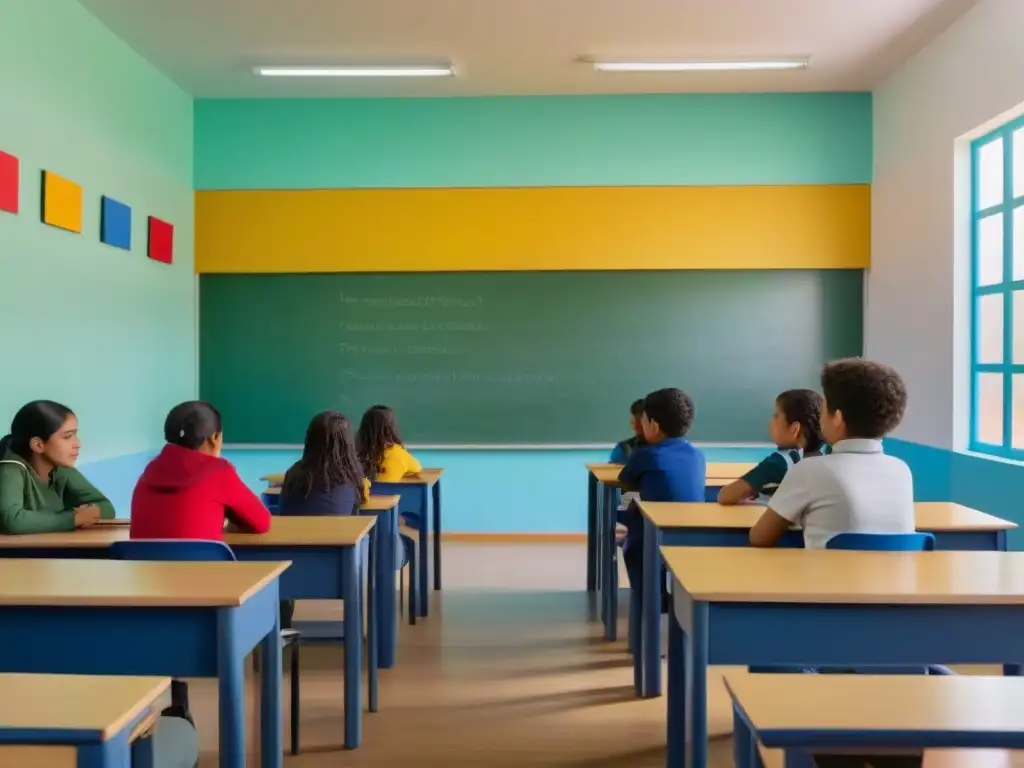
x=854, y=489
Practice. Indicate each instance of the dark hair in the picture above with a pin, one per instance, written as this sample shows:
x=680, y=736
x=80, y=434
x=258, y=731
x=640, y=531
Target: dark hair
x=40, y=418
x=191, y=424
x=328, y=457
x=672, y=409
x=636, y=410
x=871, y=396
x=803, y=407
x=378, y=431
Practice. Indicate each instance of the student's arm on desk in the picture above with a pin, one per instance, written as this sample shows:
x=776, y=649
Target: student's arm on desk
x=786, y=509
x=14, y=518
x=638, y=463
x=770, y=471
x=79, y=492
x=243, y=507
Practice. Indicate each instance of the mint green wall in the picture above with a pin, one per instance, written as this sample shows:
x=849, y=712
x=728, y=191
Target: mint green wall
x=108, y=332
x=770, y=138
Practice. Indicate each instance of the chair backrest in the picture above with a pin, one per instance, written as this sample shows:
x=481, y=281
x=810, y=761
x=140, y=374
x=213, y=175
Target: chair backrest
x=172, y=549
x=271, y=501
x=883, y=542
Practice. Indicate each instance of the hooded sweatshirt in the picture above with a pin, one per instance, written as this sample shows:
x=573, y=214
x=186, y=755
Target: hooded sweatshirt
x=29, y=504
x=185, y=494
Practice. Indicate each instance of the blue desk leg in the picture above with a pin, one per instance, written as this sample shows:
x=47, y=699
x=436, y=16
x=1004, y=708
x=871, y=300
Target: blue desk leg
x=142, y=752
x=676, y=718
x=271, y=720
x=353, y=650
x=697, y=694
x=371, y=620
x=436, y=491
x=650, y=644
x=423, y=566
x=599, y=548
x=387, y=627
x=591, y=532
x=113, y=753
x=744, y=748
x=611, y=602
x=231, y=691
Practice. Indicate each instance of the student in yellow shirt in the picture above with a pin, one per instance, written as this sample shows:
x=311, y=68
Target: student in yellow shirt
x=380, y=448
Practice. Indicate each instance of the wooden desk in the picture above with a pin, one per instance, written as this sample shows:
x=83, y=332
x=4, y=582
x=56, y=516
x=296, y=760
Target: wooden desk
x=870, y=714
x=151, y=618
x=421, y=493
x=955, y=527
x=83, y=720
x=603, y=487
x=325, y=565
x=787, y=607
x=416, y=508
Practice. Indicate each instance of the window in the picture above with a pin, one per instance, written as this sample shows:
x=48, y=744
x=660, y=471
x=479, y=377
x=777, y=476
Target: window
x=997, y=286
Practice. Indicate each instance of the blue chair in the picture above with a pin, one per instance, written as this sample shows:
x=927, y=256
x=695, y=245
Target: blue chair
x=191, y=550
x=877, y=542
x=883, y=542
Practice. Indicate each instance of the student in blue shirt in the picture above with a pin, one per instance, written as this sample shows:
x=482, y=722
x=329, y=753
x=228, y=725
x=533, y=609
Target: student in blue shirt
x=795, y=429
x=623, y=449
x=668, y=468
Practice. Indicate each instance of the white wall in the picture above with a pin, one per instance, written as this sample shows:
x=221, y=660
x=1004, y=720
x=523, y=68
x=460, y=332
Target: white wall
x=924, y=115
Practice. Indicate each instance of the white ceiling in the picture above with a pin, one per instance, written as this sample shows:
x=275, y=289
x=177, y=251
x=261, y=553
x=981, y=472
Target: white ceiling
x=523, y=46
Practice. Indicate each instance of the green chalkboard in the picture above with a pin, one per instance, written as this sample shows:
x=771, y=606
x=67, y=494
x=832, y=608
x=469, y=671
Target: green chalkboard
x=518, y=358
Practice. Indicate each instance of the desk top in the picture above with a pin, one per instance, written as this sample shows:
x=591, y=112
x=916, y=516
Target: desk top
x=608, y=474
x=879, y=702
x=123, y=583
x=750, y=574
x=929, y=516
x=423, y=477
x=105, y=705
x=321, y=530
x=331, y=531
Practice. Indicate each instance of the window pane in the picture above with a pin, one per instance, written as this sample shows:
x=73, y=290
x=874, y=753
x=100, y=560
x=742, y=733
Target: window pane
x=990, y=328
x=1018, y=327
x=990, y=408
x=1018, y=240
x=990, y=250
x=990, y=174
x=1018, y=162
x=1018, y=412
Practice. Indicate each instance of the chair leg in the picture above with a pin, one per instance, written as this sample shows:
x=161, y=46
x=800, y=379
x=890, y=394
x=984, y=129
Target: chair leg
x=413, y=586
x=295, y=698
x=401, y=590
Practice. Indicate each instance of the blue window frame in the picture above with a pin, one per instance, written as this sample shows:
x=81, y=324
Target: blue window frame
x=997, y=292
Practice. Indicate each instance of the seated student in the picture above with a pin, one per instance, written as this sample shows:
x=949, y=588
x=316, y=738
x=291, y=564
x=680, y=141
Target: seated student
x=40, y=489
x=623, y=449
x=379, y=447
x=856, y=488
x=327, y=480
x=795, y=429
x=668, y=468
x=188, y=491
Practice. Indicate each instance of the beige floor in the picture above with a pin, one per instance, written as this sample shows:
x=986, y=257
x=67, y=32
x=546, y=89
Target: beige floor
x=509, y=670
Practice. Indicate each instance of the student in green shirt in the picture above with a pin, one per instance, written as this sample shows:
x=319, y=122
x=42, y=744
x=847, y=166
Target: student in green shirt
x=40, y=489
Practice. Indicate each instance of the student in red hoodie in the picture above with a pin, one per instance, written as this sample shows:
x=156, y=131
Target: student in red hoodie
x=188, y=491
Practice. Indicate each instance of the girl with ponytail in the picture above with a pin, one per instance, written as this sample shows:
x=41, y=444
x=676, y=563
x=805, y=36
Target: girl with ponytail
x=795, y=429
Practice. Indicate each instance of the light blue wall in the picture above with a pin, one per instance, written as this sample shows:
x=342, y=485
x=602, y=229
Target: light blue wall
x=108, y=332
x=482, y=491
x=702, y=139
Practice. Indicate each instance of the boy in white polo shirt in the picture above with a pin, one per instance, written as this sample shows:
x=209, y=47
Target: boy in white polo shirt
x=856, y=488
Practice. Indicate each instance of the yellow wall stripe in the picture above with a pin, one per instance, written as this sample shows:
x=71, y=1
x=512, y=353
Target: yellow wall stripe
x=549, y=228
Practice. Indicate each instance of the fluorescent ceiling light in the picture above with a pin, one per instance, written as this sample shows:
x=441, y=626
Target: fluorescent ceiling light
x=418, y=70
x=698, y=66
